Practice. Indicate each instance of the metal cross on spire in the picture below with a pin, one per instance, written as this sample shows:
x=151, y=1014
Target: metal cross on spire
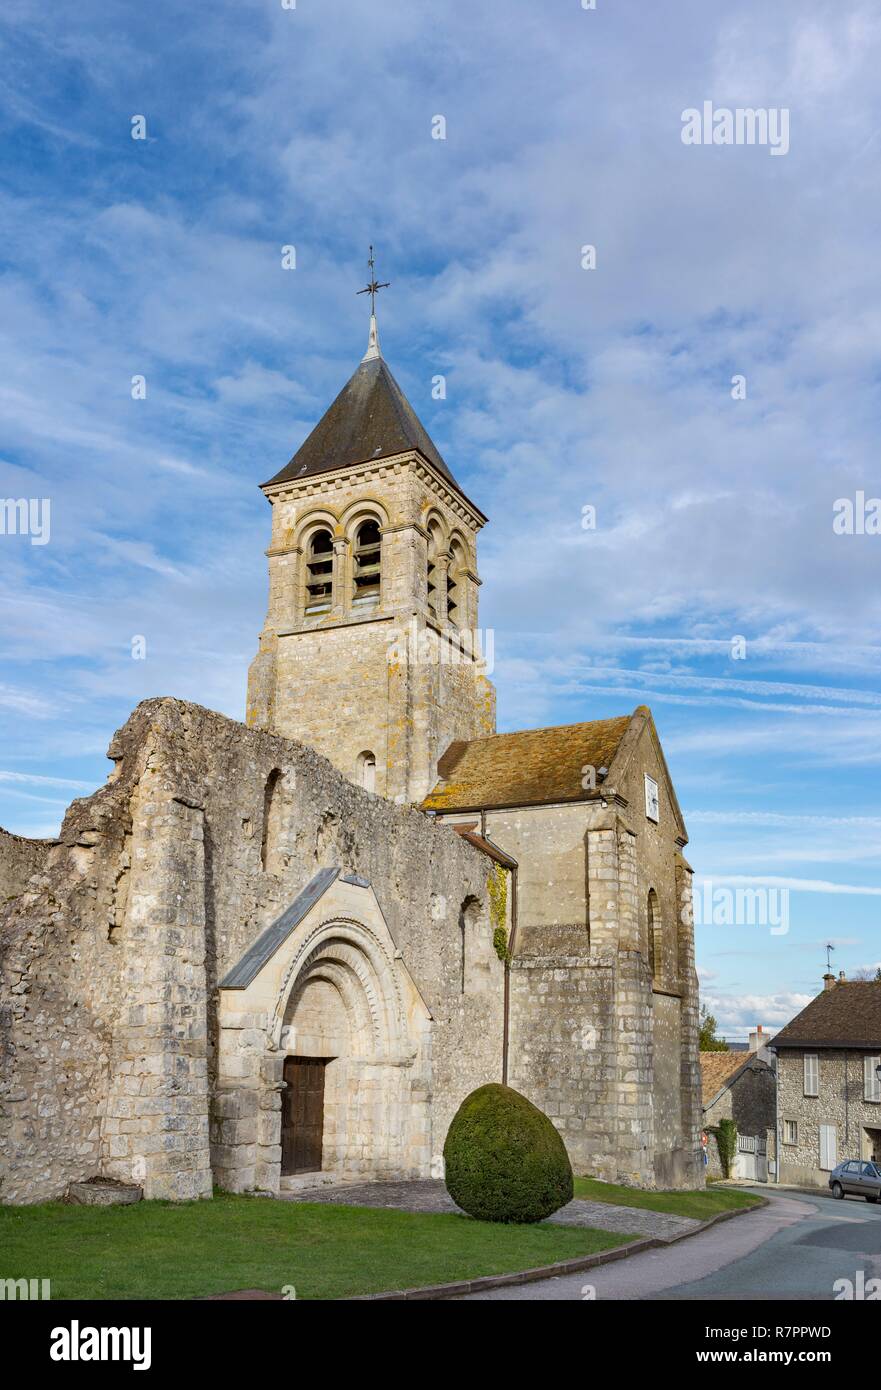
x=374, y=284
x=371, y=289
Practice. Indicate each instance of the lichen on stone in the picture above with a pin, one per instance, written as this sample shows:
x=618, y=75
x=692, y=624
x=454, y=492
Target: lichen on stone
x=498, y=910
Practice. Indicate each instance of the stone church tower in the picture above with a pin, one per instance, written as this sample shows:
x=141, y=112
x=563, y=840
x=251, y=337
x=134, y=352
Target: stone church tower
x=370, y=651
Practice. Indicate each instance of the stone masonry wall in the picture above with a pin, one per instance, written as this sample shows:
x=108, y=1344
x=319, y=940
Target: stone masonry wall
x=61, y=988
x=564, y=1054
x=111, y=958
x=20, y=859
x=840, y=1103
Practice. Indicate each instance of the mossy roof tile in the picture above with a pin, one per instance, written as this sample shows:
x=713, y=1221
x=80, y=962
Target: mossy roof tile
x=533, y=767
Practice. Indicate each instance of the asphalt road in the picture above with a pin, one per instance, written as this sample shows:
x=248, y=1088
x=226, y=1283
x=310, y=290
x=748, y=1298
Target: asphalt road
x=795, y=1248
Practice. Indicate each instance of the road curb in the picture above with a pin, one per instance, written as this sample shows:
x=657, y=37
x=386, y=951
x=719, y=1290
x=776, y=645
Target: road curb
x=529, y=1276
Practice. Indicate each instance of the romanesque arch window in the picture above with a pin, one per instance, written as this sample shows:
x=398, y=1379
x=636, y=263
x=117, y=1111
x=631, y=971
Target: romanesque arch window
x=367, y=558
x=272, y=820
x=366, y=771
x=319, y=572
x=456, y=597
x=655, y=935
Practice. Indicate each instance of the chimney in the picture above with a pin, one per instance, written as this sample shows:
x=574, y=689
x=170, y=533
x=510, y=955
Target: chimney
x=842, y=978
x=829, y=981
x=757, y=1038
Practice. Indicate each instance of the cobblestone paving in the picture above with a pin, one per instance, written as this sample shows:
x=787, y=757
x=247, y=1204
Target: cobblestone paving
x=432, y=1196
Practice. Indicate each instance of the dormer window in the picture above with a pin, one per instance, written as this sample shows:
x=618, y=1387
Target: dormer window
x=367, y=565
x=319, y=573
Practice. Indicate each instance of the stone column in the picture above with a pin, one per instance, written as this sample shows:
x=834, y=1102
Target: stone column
x=342, y=598
x=441, y=573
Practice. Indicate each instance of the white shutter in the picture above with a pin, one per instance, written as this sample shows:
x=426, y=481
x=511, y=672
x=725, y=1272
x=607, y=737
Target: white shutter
x=871, y=1084
x=812, y=1075
x=828, y=1147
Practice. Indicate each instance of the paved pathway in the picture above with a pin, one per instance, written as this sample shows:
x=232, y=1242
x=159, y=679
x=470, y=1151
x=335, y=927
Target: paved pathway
x=432, y=1196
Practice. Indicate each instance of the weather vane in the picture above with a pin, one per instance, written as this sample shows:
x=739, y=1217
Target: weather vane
x=374, y=285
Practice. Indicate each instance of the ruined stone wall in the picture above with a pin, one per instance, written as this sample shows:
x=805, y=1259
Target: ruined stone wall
x=20, y=858
x=61, y=992
x=158, y=886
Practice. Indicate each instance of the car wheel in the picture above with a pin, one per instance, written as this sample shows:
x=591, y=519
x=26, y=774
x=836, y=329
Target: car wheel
x=837, y=1191
x=871, y=1199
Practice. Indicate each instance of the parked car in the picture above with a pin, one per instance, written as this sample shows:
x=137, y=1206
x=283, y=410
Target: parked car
x=856, y=1178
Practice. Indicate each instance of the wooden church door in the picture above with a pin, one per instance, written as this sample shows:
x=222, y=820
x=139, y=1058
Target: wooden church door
x=302, y=1115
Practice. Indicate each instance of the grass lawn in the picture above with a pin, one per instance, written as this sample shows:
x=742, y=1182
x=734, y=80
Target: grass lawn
x=186, y=1249
x=699, y=1204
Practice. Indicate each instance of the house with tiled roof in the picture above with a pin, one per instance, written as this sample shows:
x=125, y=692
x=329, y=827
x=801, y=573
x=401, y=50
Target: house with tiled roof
x=741, y=1086
x=829, y=1081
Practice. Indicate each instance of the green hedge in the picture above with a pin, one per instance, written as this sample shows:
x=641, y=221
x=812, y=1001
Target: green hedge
x=504, y=1159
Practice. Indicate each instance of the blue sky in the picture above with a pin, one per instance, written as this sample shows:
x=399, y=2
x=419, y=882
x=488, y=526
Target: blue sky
x=565, y=387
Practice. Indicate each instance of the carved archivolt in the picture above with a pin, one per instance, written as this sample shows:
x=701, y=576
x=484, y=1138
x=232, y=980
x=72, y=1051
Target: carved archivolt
x=354, y=959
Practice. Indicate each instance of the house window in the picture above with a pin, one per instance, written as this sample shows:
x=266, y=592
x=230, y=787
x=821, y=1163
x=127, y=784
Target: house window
x=367, y=565
x=652, y=804
x=871, y=1084
x=812, y=1076
x=828, y=1147
x=790, y=1131
x=319, y=573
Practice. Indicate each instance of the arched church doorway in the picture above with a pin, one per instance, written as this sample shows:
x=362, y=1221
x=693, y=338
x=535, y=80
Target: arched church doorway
x=324, y=1057
x=342, y=1031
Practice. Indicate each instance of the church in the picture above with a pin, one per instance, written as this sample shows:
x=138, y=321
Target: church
x=279, y=953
